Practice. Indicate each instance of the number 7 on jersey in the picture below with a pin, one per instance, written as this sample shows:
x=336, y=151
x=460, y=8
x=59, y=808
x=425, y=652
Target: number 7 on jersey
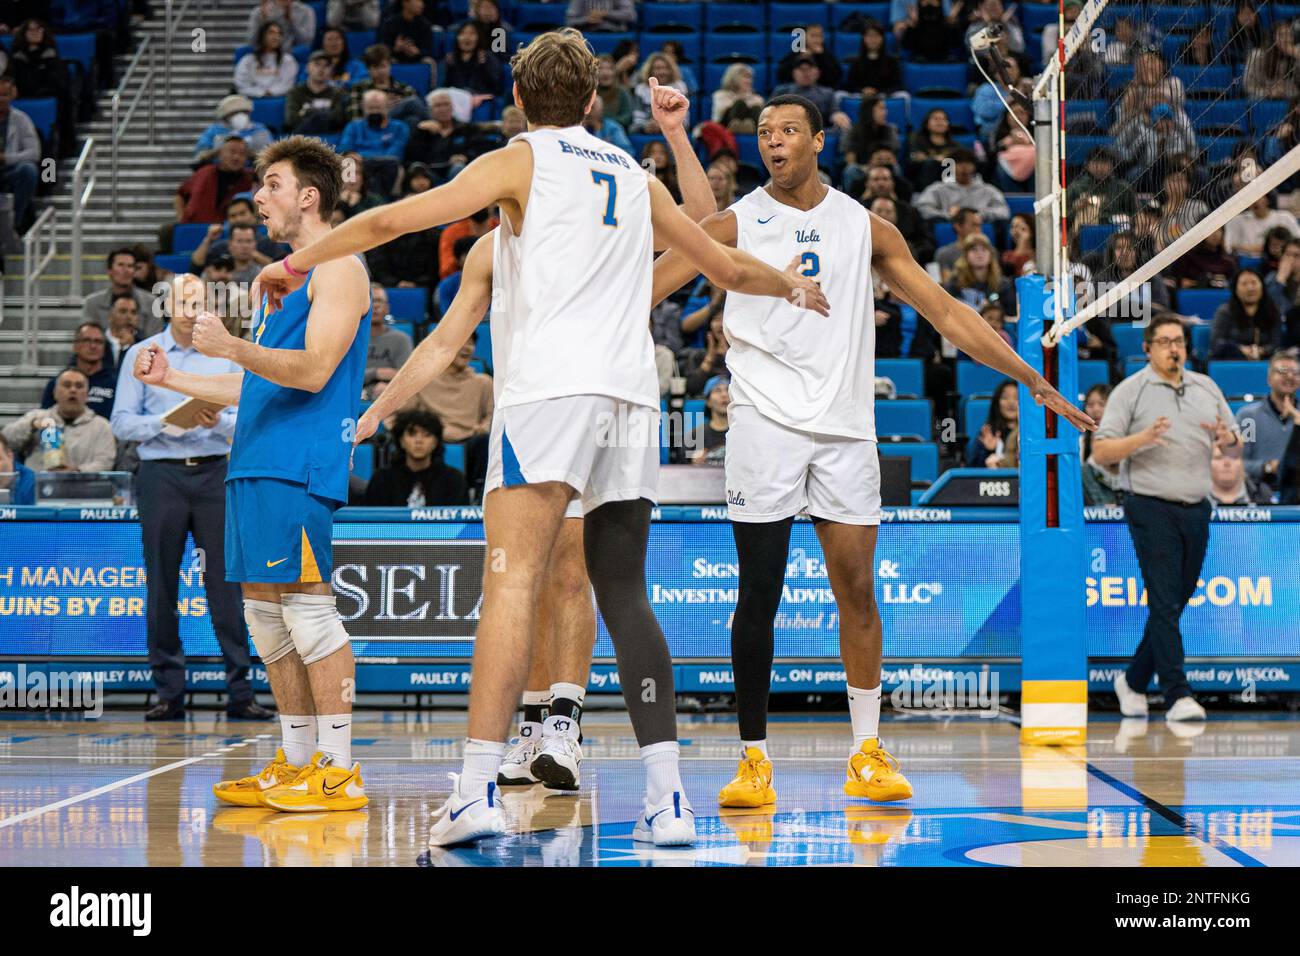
x=611, y=195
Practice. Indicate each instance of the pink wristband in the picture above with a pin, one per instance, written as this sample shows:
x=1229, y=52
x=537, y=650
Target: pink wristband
x=290, y=269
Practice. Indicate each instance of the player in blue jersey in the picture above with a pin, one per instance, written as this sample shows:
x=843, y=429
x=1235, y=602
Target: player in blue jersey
x=299, y=396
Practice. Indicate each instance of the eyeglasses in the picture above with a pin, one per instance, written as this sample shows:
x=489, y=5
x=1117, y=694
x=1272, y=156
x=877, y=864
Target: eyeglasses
x=1287, y=372
x=1168, y=342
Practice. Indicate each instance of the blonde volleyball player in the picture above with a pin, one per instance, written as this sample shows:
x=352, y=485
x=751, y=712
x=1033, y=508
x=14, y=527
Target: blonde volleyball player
x=579, y=404
x=288, y=474
x=802, y=435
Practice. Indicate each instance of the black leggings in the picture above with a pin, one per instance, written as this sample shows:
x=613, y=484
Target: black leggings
x=615, y=536
x=763, y=549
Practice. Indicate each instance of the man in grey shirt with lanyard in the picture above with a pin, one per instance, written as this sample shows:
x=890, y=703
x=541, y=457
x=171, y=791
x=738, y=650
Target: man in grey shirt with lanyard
x=1160, y=427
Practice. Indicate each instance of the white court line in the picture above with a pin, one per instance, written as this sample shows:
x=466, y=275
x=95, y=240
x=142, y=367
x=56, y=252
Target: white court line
x=107, y=788
x=102, y=760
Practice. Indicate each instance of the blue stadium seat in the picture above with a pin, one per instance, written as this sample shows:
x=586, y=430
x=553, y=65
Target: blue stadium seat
x=671, y=17
x=733, y=17
x=791, y=16
x=975, y=412
x=269, y=110
x=416, y=75
x=1202, y=302
x=454, y=456
x=976, y=379
x=79, y=47
x=1118, y=77
x=897, y=109
x=358, y=40
x=604, y=43
x=904, y=416
x=1218, y=149
x=538, y=16
x=1205, y=81
x=1092, y=372
x=935, y=79
x=363, y=461
x=1265, y=114
x=1020, y=203
x=960, y=114
x=407, y=327
x=694, y=407
x=1220, y=114
x=1092, y=238
x=1250, y=262
x=841, y=13
x=1240, y=378
x=692, y=45
x=172, y=261
x=188, y=236
x=641, y=140
x=301, y=51
x=242, y=49
x=1201, y=340
x=483, y=345
x=944, y=233
x=1035, y=16
x=408, y=305
x=851, y=106
x=735, y=47
x=749, y=153
x=1134, y=364
x=924, y=455
x=43, y=112
x=1128, y=340
x=906, y=374
x=1183, y=18
x=907, y=326
x=1080, y=110
x=845, y=45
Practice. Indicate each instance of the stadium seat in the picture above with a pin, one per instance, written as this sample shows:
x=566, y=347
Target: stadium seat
x=671, y=17
x=641, y=140
x=1265, y=114
x=694, y=407
x=1092, y=372
x=408, y=305
x=735, y=48
x=1206, y=81
x=897, y=110
x=976, y=379
x=78, y=47
x=1202, y=303
x=904, y=416
x=791, y=16
x=398, y=325
x=363, y=461
x=848, y=17
x=1119, y=77
x=906, y=374
x=358, y=40
x=944, y=233
x=603, y=43
x=1078, y=111
x=960, y=114
x=1201, y=340
x=845, y=45
x=1218, y=149
x=733, y=18
x=483, y=344
x=1219, y=115
x=44, y=112
x=538, y=16
x=1134, y=364
x=935, y=79
x=188, y=236
x=975, y=412
x=1128, y=339
x=1092, y=238
x=924, y=455
x=692, y=46
x=416, y=75
x=1077, y=148
x=454, y=456
x=1020, y=203
x=269, y=111
x=748, y=144
x=1035, y=16
x=173, y=262
x=1240, y=378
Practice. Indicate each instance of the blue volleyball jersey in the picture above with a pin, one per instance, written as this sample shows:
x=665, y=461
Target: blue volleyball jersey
x=291, y=433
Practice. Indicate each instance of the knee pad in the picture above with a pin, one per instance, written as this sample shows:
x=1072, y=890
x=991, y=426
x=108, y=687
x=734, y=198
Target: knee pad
x=314, y=625
x=266, y=626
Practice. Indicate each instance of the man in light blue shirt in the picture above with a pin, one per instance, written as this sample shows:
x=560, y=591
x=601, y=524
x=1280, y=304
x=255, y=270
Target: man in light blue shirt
x=180, y=489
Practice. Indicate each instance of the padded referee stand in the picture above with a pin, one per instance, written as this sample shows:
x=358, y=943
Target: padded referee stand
x=1054, y=656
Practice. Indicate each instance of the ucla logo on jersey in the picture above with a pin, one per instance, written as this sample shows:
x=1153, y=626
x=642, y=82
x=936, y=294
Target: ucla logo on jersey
x=806, y=235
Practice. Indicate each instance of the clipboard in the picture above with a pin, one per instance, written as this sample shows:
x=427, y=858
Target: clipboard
x=185, y=415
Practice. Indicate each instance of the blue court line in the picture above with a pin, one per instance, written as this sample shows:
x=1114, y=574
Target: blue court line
x=1173, y=816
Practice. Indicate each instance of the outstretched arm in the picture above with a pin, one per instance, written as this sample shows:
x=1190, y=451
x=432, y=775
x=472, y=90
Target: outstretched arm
x=432, y=356
x=674, y=269
x=957, y=322
x=340, y=299
x=501, y=175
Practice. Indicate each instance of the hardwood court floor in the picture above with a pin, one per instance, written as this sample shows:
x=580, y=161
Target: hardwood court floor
x=119, y=792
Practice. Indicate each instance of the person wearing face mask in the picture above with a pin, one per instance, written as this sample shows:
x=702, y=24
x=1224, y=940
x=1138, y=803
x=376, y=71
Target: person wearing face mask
x=378, y=139
x=234, y=118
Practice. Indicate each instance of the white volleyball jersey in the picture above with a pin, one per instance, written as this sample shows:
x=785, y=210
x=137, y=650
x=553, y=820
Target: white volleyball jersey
x=574, y=285
x=807, y=371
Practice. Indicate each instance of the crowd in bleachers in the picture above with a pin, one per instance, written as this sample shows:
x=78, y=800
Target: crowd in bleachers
x=412, y=90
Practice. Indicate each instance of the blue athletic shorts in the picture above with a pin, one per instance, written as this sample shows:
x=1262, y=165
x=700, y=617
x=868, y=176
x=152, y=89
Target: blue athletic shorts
x=277, y=532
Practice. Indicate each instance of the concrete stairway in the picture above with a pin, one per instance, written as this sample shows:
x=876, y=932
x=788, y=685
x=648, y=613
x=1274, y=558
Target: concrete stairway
x=148, y=173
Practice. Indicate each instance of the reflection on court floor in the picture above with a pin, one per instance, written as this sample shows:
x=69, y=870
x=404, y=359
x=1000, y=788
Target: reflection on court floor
x=118, y=792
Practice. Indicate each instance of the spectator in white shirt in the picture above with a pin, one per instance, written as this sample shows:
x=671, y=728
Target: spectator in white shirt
x=269, y=70
x=296, y=20
x=1245, y=234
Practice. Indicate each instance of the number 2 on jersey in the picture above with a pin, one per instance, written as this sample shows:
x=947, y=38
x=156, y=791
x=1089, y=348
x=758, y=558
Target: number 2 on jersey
x=809, y=264
x=611, y=195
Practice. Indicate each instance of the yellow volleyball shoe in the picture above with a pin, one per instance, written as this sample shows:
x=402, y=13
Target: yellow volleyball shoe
x=247, y=791
x=752, y=786
x=319, y=786
x=873, y=773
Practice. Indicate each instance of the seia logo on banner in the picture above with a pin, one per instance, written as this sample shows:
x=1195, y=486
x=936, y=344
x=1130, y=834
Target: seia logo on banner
x=409, y=590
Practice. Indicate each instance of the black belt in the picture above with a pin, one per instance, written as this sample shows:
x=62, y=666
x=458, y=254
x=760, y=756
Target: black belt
x=201, y=460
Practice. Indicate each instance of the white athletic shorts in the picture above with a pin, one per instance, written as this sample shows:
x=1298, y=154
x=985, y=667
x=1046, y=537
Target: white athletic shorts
x=604, y=448
x=775, y=472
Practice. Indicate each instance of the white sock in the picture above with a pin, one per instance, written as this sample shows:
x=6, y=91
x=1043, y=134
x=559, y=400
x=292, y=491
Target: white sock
x=482, y=762
x=756, y=744
x=662, y=772
x=569, y=692
x=298, y=738
x=864, y=713
x=334, y=738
